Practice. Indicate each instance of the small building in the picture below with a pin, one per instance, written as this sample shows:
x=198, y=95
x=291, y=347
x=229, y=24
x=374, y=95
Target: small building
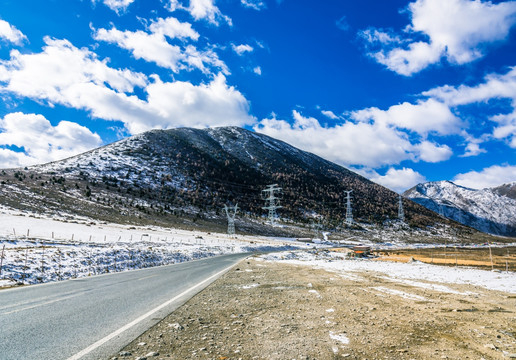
x=361, y=250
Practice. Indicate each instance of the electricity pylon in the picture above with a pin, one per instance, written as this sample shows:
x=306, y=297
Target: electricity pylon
x=271, y=201
x=401, y=213
x=231, y=218
x=349, y=214
x=317, y=227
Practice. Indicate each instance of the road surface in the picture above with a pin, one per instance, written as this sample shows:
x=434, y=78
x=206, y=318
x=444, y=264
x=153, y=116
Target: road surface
x=92, y=318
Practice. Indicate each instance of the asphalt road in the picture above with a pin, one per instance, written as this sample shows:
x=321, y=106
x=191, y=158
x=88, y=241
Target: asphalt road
x=92, y=318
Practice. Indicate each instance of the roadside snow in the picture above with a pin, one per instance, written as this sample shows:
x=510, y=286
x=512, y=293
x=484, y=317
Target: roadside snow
x=36, y=250
x=400, y=272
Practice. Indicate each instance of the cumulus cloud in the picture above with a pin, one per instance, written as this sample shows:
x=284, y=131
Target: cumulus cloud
x=428, y=116
x=397, y=180
x=495, y=86
x=458, y=30
x=153, y=46
x=254, y=4
x=432, y=152
x=116, y=5
x=242, y=48
x=76, y=78
x=10, y=33
x=208, y=11
x=257, y=70
x=489, y=177
x=40, y=141
x=370, y=144
x=329, y=114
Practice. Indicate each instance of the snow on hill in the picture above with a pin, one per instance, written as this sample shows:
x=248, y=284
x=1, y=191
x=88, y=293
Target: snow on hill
x=185, y=176
x=486, y=210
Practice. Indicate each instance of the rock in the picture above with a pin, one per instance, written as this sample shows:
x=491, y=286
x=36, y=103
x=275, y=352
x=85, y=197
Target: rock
x=490, y=346
x=141, y=358
x=142, y=344
x=124, y=353
x=152, y=353
x=176, y=326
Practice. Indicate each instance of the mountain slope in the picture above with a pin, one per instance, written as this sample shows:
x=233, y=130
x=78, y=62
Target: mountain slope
x=485, y=210
x=508, y=190
x=185, y=176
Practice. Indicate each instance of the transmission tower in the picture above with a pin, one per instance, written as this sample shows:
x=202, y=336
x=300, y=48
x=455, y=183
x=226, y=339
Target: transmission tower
x=349, y=214
x=271, y=201
x=401, y=213
x=317, y=227
x=231, y=214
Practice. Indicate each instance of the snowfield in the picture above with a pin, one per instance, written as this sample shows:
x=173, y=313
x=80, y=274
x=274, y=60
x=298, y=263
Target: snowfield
x=414, y=274
x=36, y=250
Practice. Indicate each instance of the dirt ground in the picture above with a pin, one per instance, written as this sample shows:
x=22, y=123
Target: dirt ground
x=271, y=310
x=500, y=258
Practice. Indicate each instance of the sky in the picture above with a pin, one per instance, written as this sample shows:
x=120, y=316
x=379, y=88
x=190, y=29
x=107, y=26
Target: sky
x=401, y=92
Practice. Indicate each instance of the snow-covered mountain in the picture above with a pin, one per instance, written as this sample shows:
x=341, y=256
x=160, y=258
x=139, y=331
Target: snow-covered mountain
x=508, y=190
x=185, y=177
x=487, y=210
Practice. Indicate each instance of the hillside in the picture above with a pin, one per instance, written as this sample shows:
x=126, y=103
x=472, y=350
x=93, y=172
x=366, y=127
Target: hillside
x=487, y=210
x=183, y=177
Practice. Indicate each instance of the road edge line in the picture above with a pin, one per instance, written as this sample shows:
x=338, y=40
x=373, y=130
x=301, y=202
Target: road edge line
x=105, y=339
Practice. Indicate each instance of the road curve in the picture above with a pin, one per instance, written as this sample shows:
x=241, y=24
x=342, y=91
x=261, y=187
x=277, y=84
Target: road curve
x=92, y=318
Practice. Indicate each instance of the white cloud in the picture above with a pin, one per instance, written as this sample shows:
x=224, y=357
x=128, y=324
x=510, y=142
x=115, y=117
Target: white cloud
x=347, y=144
x=154, y=47
x=370, y=144
x=242, y=48
x=116, y=5
x=75, y=78
x=173, y=5
x=173, y=28
x=183, y=104
x=431, y=152
x=397, y=180
x=257, y=70
x=60, y=71
x=458, y=30
x=254, y=4
x=329, y=114
x=495, y=86
x=424, y=117
x=489, y=177
x=42, y=142
x=10, y=33
x=206, y=10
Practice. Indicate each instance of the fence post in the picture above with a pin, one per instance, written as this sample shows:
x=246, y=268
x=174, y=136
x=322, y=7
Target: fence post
x=2, y=259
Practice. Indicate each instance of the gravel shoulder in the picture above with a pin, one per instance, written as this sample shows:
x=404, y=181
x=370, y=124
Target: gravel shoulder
x=272, y=310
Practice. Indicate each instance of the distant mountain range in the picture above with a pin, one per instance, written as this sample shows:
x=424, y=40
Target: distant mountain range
x=184, y=177
x=489, y=210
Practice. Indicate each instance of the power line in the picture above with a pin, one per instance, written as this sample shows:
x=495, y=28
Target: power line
x=271, y=201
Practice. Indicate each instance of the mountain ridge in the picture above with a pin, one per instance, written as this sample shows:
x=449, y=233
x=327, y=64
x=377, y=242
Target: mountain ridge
x=187, y=175
x=486, y=210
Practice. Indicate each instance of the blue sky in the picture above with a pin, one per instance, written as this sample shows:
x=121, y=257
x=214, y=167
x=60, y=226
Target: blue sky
x=399, y=91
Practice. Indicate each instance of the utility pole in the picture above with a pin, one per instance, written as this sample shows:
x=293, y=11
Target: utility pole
x=231, y=218
x=401, y=213
x=271, y=201
x=349, y=214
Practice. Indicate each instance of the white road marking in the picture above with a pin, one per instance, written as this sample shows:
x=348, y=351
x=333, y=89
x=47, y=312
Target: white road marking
x=102, y=341
x=41, y=304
